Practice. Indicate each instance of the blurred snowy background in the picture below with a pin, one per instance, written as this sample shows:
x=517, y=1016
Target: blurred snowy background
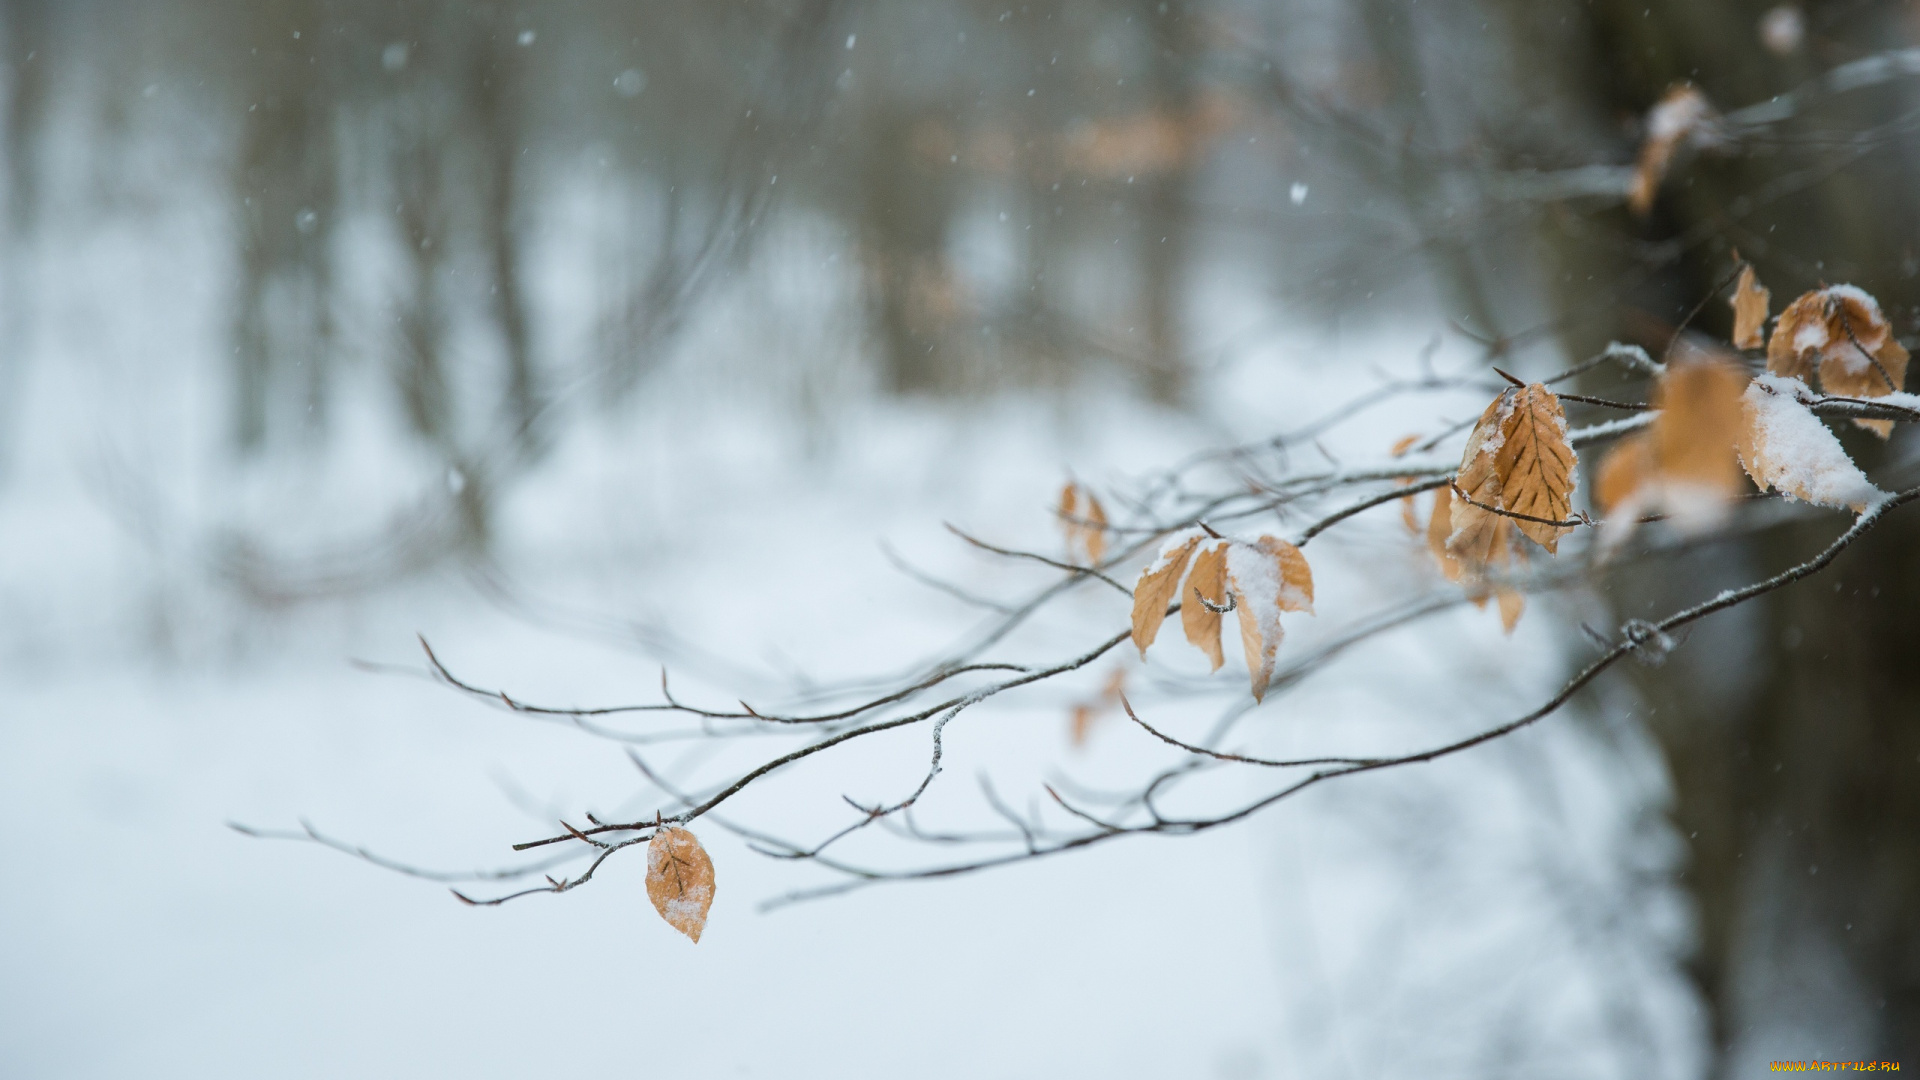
x=585, y=338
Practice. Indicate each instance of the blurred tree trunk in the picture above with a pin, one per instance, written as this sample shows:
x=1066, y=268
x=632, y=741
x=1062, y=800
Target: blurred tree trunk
x=1164, y=208
x=906, y=201
x=496, y=105
x=286, y=192
x=1790, y=731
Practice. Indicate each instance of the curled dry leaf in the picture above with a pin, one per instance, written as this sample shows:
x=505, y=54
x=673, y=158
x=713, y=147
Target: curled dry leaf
x=1841, y=330
x=1683, y=116
x=1208, y=582
x=680, y=880
x=1750, y=300
x=1517, y=460
x=1785, y=447
x=1155, y=590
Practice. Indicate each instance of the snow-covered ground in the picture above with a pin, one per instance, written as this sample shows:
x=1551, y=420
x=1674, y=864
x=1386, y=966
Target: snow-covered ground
x=1507, y=911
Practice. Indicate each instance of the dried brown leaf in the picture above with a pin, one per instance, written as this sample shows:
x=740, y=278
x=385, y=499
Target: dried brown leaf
x=1784, y=446
x=1296, y=577
x=1517, y=460
x=1750, y=300
x=680, y=880
x=1209, y=580
x=1841, y=330
x=1154, y=592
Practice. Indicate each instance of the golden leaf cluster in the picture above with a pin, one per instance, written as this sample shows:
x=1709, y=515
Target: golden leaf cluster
x=1715, y=422
x=1084, y=521
x=1256, y=581
x=680, y=880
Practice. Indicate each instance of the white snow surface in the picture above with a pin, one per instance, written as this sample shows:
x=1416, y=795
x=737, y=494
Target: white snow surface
x=1798, y=455
x=1511, y=905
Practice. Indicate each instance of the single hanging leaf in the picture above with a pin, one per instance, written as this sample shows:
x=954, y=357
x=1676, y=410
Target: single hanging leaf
x=1209, y=580
x=680, y=880
x=1439, y=527
x=1154, y=592
x=1296, y=577
x=1517, y=460
x=1785, y=447
x=1749, y=302
x=1537, y=464
x=1094, y=532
